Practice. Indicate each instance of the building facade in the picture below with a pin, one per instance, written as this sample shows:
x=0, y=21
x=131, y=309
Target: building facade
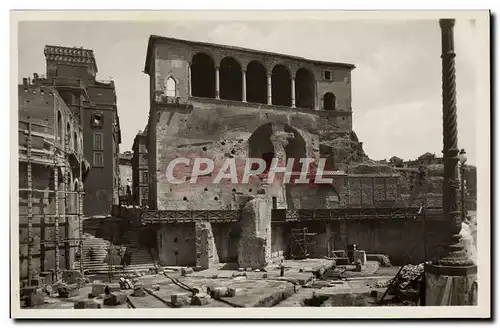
x=221, y=101
x=52, y=167
x=73, y=71
x=140, y=176
x=126, y=173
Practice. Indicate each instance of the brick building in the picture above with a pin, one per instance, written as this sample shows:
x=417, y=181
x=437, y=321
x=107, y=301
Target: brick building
x=72, y=71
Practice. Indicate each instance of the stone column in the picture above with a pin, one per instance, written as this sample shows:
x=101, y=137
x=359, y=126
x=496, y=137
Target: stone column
x=451, y=279
x=217, y=91
x=269, y=91
x=293, y=91
x=244, y=85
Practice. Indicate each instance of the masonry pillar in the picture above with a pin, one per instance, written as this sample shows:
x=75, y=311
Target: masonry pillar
x=254, y=247
x=244, y=85
x=293, y=91
x=269, y=90
x=206, y=251
x=451, y=279
x=217, y=91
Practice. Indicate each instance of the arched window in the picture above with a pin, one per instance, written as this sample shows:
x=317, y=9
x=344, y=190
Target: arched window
x=304, y=89
x=329, y=101
x=230, y=79
x=256, y=83
x=202, y=76
x=171, y=90
x=281, y=86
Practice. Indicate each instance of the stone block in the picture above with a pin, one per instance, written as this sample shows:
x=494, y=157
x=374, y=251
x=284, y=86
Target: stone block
x=200, y=299
x=115, y=298
x=71, y=276
x=68, y=291
x=186, y=271
x=98, y=289
x=26, y=291
x=139, y=291
x=34, y=299
x=180, y=299
x=361, y=256
x=231, y=292
x=218, y=292
x=155, y=287
x=239, y=274
x=87, y=304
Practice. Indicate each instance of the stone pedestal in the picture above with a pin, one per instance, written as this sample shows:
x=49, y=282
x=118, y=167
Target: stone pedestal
x=254, y=248
x=446, y=286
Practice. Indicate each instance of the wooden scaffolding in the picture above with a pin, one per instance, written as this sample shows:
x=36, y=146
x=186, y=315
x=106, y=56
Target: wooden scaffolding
x=301, y=243
x=54, y=158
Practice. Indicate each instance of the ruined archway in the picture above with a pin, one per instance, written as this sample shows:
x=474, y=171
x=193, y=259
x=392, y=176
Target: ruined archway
x=256, y=83
x=304, y=89
x=281, y=86
x=277, y=140
x=329, y=101
x=202, y=76
x=230, y=79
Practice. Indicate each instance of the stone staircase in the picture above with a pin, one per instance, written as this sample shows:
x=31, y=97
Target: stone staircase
x=97, y=259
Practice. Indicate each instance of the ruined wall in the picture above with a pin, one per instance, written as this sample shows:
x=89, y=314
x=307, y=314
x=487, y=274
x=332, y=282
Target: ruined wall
x=218, y=132
x=350, y=190
x=177, y=244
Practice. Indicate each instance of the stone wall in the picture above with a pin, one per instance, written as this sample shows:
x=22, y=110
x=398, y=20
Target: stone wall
x=177, y=244
x=401, y=239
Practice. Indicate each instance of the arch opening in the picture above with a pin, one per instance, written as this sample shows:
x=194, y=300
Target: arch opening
x=170, y=88
x=203, y=76
x=230, y=79
x=256, y=83
x=304, y=89
x=329, y=101
x=281, y=86
x=75, y=141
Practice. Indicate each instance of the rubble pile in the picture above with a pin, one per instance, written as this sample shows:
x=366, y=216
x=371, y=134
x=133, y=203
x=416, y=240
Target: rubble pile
x=409, y=278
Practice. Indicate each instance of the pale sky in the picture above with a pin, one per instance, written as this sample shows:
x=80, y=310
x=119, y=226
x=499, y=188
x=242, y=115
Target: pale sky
x=396, y=86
